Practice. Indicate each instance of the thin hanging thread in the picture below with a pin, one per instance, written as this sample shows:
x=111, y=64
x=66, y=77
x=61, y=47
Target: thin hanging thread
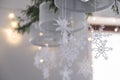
x=64, y=12
x=95, y=7
x=65, y=9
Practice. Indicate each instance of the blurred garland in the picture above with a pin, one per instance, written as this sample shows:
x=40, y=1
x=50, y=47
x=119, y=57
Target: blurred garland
x=32, y=14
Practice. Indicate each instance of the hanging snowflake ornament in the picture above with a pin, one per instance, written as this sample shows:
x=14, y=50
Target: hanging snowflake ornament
x=99, y=36
x=101, y=50
x=69, y=52
x=68, y=44
x=66, y=73
x=99, y=40
x=45, y=60
x=85, y=68
x=63, y=25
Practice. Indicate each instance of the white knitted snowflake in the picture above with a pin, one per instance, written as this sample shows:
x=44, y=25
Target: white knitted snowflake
x=66, y=73
x=69, y=52
x=63, y=25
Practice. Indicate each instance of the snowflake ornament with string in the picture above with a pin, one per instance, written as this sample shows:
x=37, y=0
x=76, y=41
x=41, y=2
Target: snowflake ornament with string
x=69, y=52
x=68, y=44
x=63, y=25
x=99, y=40
x=101, y=50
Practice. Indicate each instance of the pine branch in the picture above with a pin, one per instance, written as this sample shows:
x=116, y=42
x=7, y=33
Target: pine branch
x=115, y=7
x=32, y=14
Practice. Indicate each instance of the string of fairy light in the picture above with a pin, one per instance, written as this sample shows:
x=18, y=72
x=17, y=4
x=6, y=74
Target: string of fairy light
x=12, y=37
x=14, y=24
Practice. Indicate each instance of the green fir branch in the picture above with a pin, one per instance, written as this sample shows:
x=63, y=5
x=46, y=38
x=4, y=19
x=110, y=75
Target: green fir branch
x=32, y=14
x=115, y=7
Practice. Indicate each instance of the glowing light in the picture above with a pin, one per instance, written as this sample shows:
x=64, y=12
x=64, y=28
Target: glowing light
x=89, y=39
x=14, y=24
x=11, y=16
x=116, y=29
x=12, y=37
x=41, y=34
x=94, y=18
x=41, y=60
x=113, y=20
x=39, y=48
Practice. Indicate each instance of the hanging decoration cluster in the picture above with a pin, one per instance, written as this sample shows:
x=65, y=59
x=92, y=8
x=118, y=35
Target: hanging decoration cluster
x=32, y=13
x=67, y=28
x=99, y=41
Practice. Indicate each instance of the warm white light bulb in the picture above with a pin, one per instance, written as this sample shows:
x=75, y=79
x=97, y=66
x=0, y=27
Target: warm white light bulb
x=40, y=48
x=113, y=20
x=14, y=24
x=41, y=34
x=41, y=60
x=11, y=16
x=94, y=18
x=89, y=39
x=116, y=29
x=12, y=37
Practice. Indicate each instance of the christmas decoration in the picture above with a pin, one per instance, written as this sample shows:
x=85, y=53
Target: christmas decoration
x=69, y=46
x=32, y=14
x=61, y=33
x=67, y=41
x=99, y=40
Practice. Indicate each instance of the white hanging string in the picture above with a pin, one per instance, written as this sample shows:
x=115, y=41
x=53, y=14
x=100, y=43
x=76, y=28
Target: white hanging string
x=65, y=8
x=64, y=11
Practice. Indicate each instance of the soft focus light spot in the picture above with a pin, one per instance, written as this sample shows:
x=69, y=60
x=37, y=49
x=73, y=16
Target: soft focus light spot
x=11, y=16
x=113, y=20
x=94, y=18
x=41, y=60
x=39, y=48
x=12, y=37
x=116, y=29
x=41, y=34
x=14, y=24
x=89, y=39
